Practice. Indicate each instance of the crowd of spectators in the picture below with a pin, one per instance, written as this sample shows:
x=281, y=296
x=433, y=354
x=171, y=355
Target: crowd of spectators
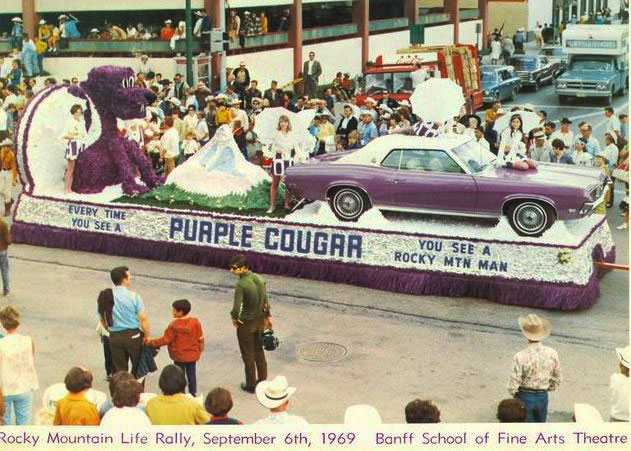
x=535, y=371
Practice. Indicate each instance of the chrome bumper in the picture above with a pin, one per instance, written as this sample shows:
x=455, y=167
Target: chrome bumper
x=581, y=92
x=589, y=207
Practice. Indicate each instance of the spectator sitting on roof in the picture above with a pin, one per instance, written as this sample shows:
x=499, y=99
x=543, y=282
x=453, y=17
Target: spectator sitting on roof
x=132, y=33
x=117, y=33
x=68, y=26
x=180, y=33
x=166, y=32
x=93, y=34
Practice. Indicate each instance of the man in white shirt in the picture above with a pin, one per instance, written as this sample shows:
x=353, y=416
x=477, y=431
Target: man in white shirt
x=169, y=145
x=564, y=134
x=144, y=67
x=612, y=123
x=418, y=76
x=240, y=115
x=275, y=395
x=592, y=145
x=478, y=132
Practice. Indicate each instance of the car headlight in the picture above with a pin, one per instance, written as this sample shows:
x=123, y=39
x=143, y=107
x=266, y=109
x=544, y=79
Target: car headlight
x=602, y=86
x=561, y=85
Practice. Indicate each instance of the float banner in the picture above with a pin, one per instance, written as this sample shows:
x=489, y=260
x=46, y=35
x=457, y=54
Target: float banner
x=453, y=255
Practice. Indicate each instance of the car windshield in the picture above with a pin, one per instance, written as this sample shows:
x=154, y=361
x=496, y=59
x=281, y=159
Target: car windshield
x=474, y=157
x=488, y=77
x=379, y=82
x=397, y=82
x=600, y=64
x=524, y=63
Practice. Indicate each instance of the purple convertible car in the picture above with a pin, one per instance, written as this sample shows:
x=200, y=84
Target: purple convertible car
x=448, y=175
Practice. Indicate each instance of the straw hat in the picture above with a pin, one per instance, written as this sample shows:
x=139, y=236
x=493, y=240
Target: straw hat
x=534, y=327
x=275, y=392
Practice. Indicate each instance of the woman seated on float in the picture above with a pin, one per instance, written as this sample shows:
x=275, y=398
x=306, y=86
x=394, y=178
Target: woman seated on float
x=512, y=151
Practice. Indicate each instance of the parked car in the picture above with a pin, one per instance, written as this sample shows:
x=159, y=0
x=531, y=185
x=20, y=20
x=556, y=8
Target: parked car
x=534, y=70
x=555, y=54
x=446, y=176
x=499, y=83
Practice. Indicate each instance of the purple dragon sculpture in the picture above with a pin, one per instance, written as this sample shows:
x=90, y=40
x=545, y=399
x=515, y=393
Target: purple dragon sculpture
x=112, y=159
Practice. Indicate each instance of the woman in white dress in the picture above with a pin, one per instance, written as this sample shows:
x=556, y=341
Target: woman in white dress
x=512, y=151
x=285, y=147
x=496, y=50
x=73, y=136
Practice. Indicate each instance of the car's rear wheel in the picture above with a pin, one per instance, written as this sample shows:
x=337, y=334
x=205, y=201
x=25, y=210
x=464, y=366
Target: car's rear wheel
x=348, y=203
x=530, y=218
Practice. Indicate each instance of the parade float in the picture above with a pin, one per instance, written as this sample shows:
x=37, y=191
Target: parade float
x=213, y=207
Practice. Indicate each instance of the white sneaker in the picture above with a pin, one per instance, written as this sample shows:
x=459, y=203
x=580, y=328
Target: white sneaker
x=623, y=226
x=270, y=210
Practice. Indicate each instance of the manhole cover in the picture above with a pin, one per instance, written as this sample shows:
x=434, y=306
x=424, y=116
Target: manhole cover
x=321, y=351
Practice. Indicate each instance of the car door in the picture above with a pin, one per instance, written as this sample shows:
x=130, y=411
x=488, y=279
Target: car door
x=506, y=87
x=431, y=180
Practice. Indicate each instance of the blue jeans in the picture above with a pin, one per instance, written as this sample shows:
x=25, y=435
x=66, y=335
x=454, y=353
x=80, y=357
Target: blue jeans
x=21, y=405
x=191, y=377
x=4, y=268
x=536, y=405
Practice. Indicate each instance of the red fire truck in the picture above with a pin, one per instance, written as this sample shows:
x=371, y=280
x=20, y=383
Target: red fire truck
x=457, y=62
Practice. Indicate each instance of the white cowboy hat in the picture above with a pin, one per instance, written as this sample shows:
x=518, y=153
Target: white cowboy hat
x=624, y=355
x=385, y=108
x=63, y=16
x=534, y=327
x=404, y=103
x=235, y=102
x=16, y=19
x=371, y=100
x=142, y=57
x=168, y=21
x=94, y=30
x=6, y=142
x=275, y=392
x=362, y=414
x=42, y=22
x=586, y=414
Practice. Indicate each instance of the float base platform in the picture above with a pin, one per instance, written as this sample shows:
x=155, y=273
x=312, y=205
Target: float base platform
x=535, y=273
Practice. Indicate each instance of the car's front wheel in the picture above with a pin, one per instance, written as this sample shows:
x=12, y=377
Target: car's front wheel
x=348, y=203
x=530, y=218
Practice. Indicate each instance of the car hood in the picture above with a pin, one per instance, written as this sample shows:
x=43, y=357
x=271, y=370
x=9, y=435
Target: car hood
x=585, y=75
x=550, y=174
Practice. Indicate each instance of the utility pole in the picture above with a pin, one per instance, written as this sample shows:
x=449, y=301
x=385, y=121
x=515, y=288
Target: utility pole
x=189, y=43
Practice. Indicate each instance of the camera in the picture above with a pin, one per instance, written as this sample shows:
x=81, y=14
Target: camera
x=270, y=342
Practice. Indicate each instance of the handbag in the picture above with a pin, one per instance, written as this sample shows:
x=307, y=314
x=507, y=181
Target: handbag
x=270, y=342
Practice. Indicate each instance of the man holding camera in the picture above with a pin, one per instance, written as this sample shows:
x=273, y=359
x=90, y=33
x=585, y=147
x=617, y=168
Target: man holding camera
x=250, y=315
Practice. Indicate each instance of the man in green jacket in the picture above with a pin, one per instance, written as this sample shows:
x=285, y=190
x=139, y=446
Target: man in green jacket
x=250, y=314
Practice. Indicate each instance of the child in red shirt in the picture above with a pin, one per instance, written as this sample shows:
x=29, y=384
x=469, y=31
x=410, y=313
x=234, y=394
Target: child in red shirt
x=185, y=341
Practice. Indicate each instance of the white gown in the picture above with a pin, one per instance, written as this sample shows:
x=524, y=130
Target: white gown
x=218, y=169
